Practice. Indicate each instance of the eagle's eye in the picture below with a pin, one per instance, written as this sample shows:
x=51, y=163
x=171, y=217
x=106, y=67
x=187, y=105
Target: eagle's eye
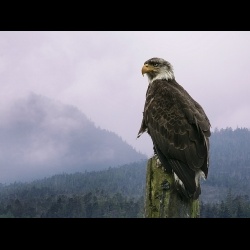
x=155, y=64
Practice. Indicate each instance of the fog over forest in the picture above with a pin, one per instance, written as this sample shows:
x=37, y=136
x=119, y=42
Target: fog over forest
x=40, y=137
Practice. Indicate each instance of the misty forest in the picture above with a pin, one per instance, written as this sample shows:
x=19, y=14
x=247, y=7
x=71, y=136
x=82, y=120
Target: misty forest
x=99, y=175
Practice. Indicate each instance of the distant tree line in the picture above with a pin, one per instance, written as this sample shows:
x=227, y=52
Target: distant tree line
x=112, y=193
x=90, y=205
x=98, y=204
x=232, y=207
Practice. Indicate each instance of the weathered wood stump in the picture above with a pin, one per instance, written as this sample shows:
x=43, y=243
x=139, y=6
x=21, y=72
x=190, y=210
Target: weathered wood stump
x=162, y=199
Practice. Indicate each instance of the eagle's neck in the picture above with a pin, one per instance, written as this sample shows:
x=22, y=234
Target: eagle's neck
x=164, y=75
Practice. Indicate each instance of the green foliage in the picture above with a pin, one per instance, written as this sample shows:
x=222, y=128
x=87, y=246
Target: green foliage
x=232, y=207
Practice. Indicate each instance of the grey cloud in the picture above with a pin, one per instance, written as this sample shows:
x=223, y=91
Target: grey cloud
x=41, y=137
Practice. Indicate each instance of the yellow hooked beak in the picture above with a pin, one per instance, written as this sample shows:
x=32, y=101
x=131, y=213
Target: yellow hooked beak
x=147, y=68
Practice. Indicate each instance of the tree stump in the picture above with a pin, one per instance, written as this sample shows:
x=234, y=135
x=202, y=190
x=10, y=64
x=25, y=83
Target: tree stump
x=162, y=199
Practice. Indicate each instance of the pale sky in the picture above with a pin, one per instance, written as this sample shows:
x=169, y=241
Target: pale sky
x=100, y=73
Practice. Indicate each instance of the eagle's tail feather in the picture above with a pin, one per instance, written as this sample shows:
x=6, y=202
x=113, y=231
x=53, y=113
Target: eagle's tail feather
x=185, y=180
x=184, y=176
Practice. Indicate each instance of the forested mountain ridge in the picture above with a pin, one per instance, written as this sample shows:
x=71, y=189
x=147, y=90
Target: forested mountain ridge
x=129, y=180
x=115, y=192
x=229, y=166
x=119, y=191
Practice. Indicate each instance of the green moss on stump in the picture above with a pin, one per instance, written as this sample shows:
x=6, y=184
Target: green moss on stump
x=162, y=199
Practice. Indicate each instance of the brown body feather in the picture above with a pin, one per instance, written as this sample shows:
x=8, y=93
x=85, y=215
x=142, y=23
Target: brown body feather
x=180, y=132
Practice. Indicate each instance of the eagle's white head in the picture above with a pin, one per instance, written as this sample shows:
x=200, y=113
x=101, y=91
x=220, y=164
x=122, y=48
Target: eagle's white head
x=157, y=68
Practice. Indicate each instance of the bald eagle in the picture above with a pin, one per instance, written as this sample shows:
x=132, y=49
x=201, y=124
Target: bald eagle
x=178, y=127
